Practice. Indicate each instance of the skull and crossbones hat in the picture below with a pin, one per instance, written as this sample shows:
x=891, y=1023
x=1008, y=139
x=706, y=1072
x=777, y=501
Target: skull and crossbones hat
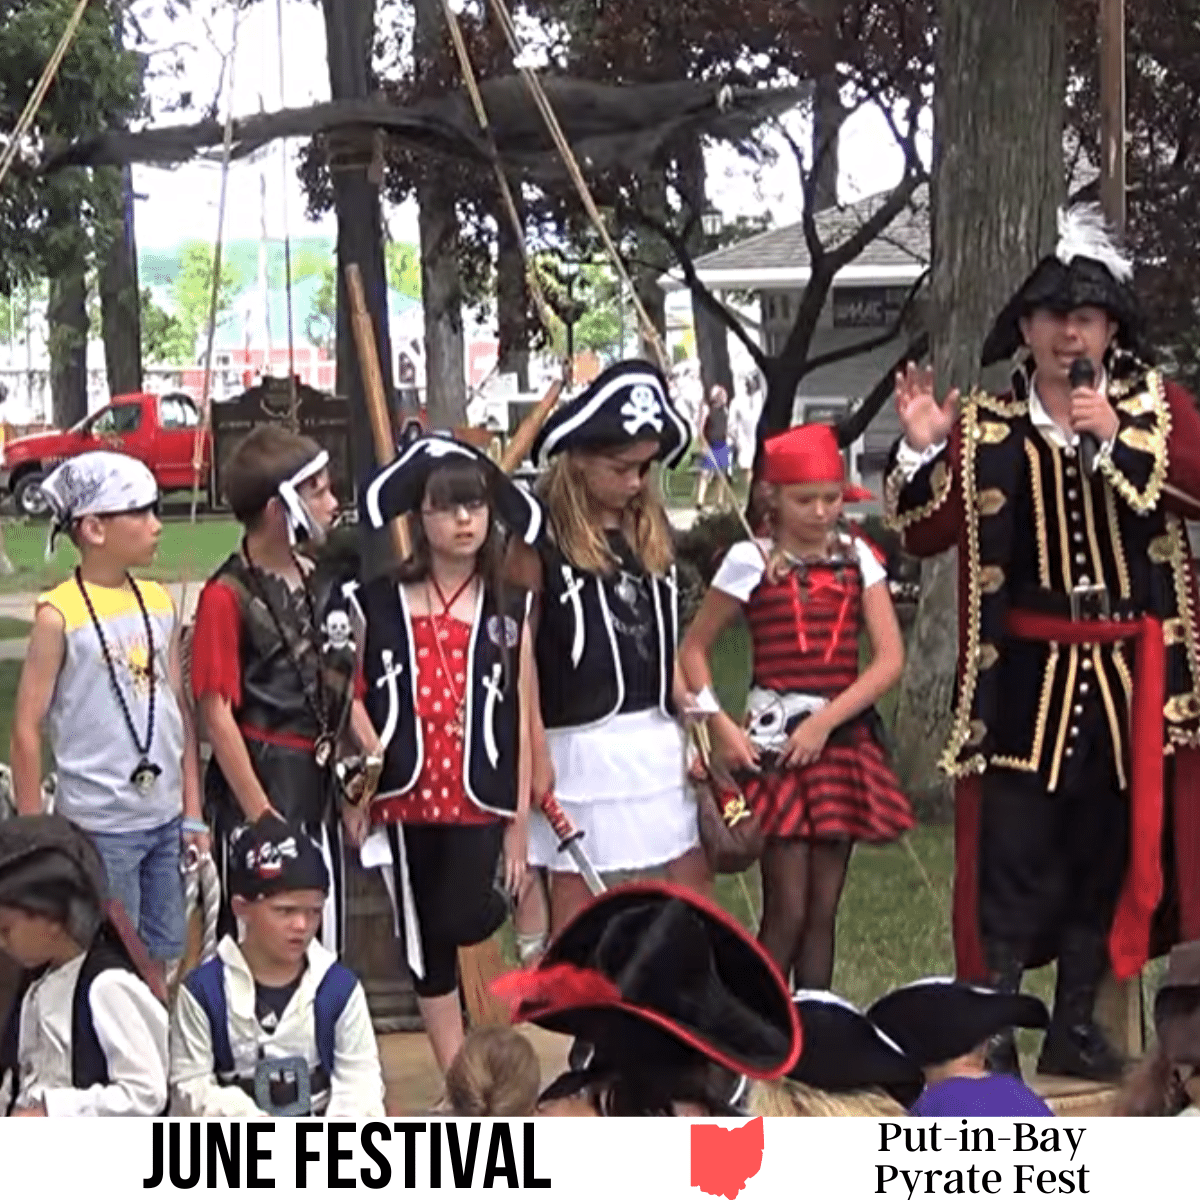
x=100, y=483
x=273, y=856
x=629, y=402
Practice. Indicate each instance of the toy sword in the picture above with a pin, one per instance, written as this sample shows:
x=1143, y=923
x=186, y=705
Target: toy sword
x=568, y=840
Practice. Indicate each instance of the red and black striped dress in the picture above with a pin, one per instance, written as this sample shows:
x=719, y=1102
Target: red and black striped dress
x=805, y=630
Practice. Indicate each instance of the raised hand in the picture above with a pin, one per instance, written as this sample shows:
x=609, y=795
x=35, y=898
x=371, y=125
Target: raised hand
x=924, y=421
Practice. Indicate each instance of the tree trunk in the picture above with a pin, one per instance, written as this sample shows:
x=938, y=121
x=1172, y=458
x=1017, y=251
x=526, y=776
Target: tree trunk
x=67, y=317
x=998, y=179
x=712, y=337
x=349, y=32
x=441, y=283
x=512, y=303
x=120, y=296
x=828, y=117
x=653, y=258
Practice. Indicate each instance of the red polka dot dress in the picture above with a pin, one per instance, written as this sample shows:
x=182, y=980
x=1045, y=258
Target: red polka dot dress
x=438, y=797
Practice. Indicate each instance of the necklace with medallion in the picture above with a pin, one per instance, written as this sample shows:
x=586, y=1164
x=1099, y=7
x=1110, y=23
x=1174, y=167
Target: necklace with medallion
x=455, y=725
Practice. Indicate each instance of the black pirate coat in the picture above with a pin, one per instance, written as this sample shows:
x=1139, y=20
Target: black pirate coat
x=492, y=701
x=1029, y=528
x=581, y=676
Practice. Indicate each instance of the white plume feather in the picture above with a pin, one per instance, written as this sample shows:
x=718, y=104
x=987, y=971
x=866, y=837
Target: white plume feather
x=1083, y=233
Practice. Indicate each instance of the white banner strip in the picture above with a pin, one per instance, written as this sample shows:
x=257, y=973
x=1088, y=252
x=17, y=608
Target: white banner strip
x=610, y=1159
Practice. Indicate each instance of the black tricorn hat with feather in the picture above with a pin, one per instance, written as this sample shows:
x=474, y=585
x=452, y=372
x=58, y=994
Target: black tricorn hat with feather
x=1085, y=270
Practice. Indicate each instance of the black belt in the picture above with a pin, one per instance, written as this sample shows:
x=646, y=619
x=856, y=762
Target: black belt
x=1085, y=602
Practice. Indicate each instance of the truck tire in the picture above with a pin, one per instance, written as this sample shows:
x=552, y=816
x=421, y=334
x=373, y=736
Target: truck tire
x=27, y=495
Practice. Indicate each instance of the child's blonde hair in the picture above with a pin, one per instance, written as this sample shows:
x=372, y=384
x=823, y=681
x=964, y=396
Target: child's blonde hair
x=790, y=1098
x=495, y=1074
x=580, y=536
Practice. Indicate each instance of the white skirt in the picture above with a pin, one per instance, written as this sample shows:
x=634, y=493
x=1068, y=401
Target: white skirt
x=624, y=785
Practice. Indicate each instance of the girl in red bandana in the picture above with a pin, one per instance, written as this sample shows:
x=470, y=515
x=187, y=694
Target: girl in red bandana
x=808, y=757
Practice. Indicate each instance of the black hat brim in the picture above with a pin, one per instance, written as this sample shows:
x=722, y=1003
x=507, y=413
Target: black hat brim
x=845, y=1052
x=742, y=1018
x=1060, y=287
x=574, y=425
x=399, y=488
x=937, y=1021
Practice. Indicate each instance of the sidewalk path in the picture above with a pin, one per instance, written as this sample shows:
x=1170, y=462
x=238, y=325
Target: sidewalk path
x=19, y=605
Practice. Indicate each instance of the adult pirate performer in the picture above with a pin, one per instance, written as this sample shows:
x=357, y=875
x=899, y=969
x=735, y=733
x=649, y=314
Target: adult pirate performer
x=274, y=662
x=607, y=626
x=1078, y=648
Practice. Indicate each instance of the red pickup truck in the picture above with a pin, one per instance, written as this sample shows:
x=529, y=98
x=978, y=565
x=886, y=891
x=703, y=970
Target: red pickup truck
x=160, y=430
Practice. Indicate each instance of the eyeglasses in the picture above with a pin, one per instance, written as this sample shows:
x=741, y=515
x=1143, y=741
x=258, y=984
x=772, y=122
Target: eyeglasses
x=471, y=507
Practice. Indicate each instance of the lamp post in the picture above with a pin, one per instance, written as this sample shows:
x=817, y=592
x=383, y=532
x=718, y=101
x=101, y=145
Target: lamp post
x=571, y=312
x=711, y=222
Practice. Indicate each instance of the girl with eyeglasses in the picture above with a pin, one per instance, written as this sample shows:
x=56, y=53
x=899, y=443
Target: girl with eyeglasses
x=448, y=669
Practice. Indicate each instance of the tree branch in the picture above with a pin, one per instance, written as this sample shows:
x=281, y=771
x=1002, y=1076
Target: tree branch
x=698, y=289
x=855, y=425
x=873, y=343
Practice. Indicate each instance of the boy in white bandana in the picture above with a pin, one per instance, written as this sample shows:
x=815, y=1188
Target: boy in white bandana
x=102, y=674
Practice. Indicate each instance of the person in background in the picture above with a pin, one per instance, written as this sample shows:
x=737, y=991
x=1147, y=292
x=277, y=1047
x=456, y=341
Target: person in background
x=86, y=1037
x=274, y=1024
x=714, y=423
x=848, y=1068
x=947, y=1027
x=1167, y=1082
x=103, y=673
x=496, y=1073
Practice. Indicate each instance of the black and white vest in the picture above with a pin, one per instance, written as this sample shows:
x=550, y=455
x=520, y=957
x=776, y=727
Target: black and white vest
x=580, y=677
x=492, y=703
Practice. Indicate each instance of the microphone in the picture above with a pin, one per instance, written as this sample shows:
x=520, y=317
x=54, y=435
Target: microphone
x=1083, y=375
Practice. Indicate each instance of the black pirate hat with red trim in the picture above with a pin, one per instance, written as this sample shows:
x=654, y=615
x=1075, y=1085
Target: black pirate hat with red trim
x=652, y=975
x=846, y=1052
x=1085, y=270
x=629, y=402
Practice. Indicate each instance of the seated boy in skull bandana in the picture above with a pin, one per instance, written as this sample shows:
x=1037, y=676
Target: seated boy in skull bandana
x=85, y=1037
x=246, y=1023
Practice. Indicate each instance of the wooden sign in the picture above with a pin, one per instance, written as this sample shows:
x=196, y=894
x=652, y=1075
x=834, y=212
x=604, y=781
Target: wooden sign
x=324, y=418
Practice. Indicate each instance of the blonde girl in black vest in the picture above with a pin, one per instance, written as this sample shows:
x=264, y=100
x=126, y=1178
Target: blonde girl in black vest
x=606, y=738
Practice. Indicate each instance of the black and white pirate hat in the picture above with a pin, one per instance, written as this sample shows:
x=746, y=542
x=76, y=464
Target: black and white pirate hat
x=100, y=483
x=628, y=402
x=845, y=1052
x=400, y=487
x=1086, y=269
x=273, y=856
x=301, y=525
x=938, y=1020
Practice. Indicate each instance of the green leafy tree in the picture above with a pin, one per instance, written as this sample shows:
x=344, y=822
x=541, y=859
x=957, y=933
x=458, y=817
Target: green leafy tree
x=192, y=294
x=320, y=323
x=403, y=262
x=164, y=340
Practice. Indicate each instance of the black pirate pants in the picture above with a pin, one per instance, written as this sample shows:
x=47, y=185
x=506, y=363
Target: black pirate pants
x=1052, y=863
x=452, y=869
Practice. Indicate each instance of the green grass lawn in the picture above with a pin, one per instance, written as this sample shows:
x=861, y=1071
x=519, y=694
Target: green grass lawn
x=13, y=627
x=185, y=551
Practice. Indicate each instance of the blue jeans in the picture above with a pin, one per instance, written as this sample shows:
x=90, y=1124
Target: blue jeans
x=143, y=870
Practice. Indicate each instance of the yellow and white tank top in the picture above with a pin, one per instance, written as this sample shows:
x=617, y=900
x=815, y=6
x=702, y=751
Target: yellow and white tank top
x=94, y=752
